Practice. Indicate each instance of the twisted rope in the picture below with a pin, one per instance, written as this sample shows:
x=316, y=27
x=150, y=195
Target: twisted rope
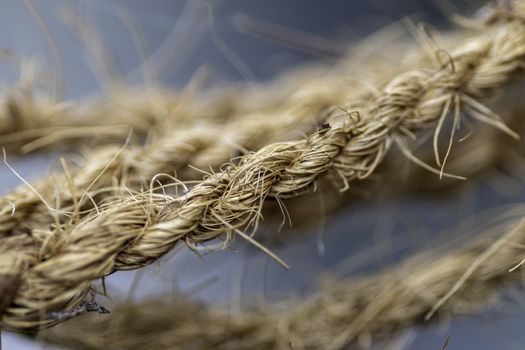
x=200, y=145
x=139, y=229
x=31, y=120
x=307, y=91
x=370, y=308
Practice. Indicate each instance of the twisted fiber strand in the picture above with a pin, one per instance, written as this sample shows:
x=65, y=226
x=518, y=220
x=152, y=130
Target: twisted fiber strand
x=314, y=88
x=28, y=114
x=200, y=145
x=172, y=150
x=33, y=125
x=140, y=229
x=488, y=152
x=30, y=119
x=373, y=307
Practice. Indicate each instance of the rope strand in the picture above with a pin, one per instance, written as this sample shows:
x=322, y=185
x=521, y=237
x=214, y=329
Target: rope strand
x=138, y=229
x=378, y=306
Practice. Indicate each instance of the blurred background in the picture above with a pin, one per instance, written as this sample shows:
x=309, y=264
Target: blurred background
x=255, y=41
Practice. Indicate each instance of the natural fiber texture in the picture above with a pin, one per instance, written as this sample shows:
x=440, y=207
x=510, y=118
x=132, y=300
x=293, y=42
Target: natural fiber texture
x=374, y=307
x=31, y=120
x=283, y=109
x=202, y=145
x=138, y=229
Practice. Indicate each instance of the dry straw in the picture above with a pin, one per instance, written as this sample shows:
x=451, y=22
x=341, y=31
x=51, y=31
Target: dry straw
x=55, y=272
x=365, y=309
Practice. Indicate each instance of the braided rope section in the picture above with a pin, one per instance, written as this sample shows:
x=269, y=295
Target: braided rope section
x=138, y=229
x=29, y=121
x=370, y=308
x=30, y=118
x=199, y=144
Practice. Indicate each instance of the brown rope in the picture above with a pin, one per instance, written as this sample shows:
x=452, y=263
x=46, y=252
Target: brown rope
x=201, y=145
x=283, y=109
x=374, y=307
x=31, y=120
x=138, y=229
